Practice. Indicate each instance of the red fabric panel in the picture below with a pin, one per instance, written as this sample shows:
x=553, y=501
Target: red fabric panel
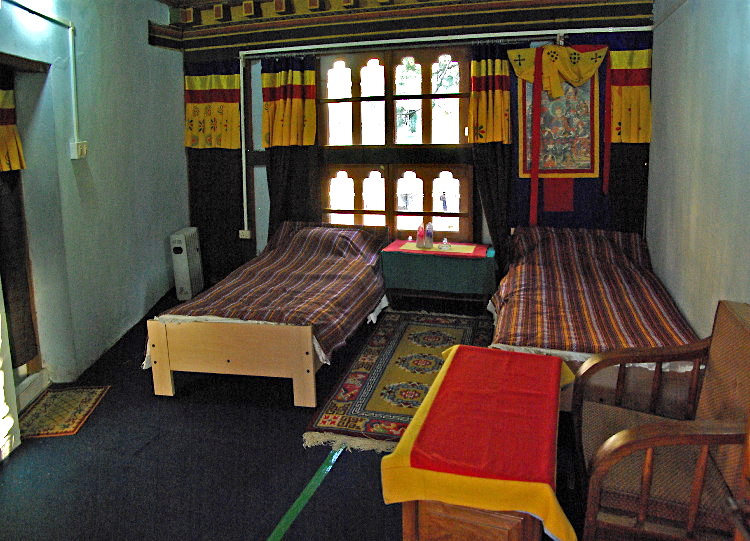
x=480, y=250
x=490, y=82
x=607, y=159
x=273, y=93
x=536, y=118
x=224, y=95
x=558, y=195
x=494, y=416
x=631, y=77
x=587, y=48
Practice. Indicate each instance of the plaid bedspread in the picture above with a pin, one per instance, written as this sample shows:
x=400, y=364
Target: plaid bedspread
x=308, y=274
x=584, y=290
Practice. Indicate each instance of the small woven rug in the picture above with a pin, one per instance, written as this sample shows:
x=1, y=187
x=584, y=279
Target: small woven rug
x=374, y=402
x=60, y=412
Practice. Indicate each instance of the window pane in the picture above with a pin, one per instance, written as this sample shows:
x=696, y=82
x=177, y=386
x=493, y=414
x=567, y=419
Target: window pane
x=339, y=123
x=372, y=83
x=409, y=122
x=445, y=121
x=445, y=75
x=372, y=79
x=341, y=196
x=339, y=81
x=410, y=198
x=408, y=77
x=339, y=114
x=373, y=195
x=446, y=198
x=373, y=122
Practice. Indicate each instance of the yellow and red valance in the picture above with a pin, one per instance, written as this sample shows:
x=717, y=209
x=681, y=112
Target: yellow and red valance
x=630, y=76
x=11, y=151
x=289, y=108
x=569, y=64
x=212, y=105
x=489, y=103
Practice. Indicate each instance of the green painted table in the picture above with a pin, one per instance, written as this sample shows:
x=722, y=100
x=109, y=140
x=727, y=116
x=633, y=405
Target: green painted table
x=467, y=272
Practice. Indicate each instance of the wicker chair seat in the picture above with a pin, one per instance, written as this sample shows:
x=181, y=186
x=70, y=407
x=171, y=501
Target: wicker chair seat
x=673, y=475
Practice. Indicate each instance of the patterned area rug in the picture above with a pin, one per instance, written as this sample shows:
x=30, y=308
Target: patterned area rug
x=378, y=396
x=60, y=412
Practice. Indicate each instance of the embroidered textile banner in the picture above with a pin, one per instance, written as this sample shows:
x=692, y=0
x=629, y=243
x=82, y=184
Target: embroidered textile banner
x=212, y=105
x=289, y=93
x=489, y=103
x=630, y=73
x=559, y=64
x=11, y=152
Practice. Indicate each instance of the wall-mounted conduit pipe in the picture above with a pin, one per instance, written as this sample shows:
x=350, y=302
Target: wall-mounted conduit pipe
x=73, y=79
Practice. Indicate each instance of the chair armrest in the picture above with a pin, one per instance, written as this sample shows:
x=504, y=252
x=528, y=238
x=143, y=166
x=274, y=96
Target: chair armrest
x=600, y=361
x=654, y=435
x=647, y=437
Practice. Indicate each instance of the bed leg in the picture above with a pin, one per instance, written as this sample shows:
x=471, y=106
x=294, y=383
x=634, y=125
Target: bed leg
x=303, y=380
x=159, y=351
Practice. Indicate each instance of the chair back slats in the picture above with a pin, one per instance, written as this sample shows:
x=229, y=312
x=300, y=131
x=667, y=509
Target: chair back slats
x=655, y=387
x=696, y=490
x=646, y=478
x=620, y=386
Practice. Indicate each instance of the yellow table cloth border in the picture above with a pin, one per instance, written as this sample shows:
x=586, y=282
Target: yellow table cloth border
x=401, y=482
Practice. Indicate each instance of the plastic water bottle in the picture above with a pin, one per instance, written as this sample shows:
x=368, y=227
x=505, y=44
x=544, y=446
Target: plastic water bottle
x=428, y=236
x=420, y=236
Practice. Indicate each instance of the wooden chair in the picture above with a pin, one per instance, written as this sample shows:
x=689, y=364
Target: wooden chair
x=645, y=473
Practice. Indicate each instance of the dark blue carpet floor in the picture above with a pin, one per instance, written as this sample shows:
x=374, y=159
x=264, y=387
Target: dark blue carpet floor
x=222, y=460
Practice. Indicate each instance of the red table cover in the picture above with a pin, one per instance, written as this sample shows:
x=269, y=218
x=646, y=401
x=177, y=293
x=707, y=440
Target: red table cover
x=501, y=409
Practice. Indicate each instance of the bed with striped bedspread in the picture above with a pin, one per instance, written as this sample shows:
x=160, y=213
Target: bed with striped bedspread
x=309, y=274
x=582, y=290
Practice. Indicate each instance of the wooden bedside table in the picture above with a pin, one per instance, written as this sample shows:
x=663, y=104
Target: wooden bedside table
x=466, y=273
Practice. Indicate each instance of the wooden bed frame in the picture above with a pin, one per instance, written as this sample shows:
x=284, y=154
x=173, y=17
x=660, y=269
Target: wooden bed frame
x=282, y=351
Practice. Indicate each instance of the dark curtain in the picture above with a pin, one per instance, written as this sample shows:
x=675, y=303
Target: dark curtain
x=215, y=191
x=293, y=184
x=493, y=170
x=14, y=270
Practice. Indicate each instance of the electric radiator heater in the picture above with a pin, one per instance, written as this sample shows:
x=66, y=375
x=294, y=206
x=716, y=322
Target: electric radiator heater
x=186, y=258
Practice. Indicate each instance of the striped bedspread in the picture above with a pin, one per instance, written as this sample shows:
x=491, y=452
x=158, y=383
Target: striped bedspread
x=308, y=274
x=584, y=290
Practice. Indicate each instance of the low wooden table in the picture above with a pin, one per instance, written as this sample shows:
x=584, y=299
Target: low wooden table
x=465, y=273
x=478, y=459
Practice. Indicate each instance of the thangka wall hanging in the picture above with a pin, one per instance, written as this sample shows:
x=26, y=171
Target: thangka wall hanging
x=568, y=131
x=212, y=105
x=559, y=124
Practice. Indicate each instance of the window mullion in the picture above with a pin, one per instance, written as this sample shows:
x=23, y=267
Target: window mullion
x=357, y=104
x=390, y=106
x=390, y=198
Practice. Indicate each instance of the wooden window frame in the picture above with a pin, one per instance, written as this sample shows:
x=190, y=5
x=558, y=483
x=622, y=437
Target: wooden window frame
x=426, y=159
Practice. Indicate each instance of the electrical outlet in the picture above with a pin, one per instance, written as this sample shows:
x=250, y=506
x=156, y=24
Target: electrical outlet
x=246, y=234
x=79, y=150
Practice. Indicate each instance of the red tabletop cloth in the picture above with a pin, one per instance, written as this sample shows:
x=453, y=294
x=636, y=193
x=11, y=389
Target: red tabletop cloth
x=480, y=250
x=494, y=416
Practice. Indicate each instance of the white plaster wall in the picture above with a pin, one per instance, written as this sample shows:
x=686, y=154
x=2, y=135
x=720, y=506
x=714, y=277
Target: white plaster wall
x=98, y=228
x=699, y=198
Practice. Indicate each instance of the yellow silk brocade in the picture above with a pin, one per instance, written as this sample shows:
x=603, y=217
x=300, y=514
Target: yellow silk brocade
x=212, y=125
x=558, y=64
x=489, y=110
x=631, y=114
